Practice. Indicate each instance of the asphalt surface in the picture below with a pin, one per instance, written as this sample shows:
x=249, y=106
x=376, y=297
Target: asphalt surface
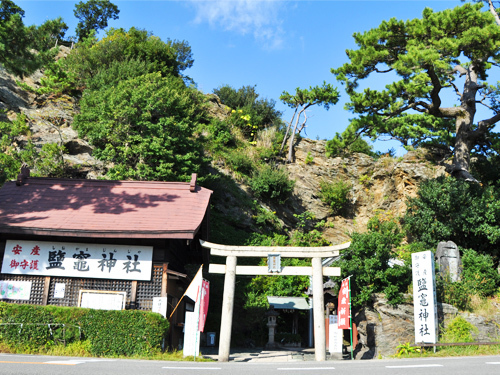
x=263, y=355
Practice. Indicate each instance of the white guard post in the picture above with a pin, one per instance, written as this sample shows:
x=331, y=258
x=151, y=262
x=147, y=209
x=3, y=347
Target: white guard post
x=231, y=269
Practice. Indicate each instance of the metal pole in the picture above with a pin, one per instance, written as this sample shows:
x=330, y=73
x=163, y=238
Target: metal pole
x=227, y=309
x=319, y=314
x=350, y=314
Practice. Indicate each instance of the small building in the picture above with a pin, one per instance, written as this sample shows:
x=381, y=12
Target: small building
x=62, y=240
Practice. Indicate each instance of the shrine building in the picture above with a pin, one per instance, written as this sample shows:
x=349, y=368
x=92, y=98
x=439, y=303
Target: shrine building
x=69, y=242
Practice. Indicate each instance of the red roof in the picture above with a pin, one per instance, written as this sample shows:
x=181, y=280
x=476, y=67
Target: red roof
x=96, y=208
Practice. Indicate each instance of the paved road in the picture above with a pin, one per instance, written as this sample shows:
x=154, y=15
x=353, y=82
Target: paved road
x=269, y=365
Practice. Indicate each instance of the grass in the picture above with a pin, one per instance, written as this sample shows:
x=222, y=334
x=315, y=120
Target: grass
x=81, y=349
x=454, y=351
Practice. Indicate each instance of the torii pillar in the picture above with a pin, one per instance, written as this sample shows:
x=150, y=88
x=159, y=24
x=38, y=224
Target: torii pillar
x=231, y=269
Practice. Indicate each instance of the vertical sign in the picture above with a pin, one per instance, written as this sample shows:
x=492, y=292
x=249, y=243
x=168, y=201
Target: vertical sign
x=205, y=287
x=335, y=337
x=344, y=306
x=424, y=297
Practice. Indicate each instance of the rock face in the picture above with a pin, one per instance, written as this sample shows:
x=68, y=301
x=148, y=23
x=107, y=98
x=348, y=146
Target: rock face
x=381, y=185
x=383, y=327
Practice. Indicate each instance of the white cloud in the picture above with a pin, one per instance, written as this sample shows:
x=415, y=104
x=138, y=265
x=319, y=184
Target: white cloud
x=261, y=18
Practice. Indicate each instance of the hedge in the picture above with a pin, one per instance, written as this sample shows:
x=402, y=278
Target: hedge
x=108, y=332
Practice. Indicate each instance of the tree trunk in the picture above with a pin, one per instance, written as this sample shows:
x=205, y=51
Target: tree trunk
x=292, y=137
x=465, y=135
x=494, y=12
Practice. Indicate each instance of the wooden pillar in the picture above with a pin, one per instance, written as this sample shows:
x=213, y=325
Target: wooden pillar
x=164, y=280
x=133, y=295
x=227, y=309
x=46, y=287
x=318, y=311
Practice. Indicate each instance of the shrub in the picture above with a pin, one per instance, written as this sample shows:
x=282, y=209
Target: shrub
x=272, y=183
x=459, y=330
x=240, y=162
x=479, y=273
x=449, y=209
x=335, y=194
x=367, y=260
x=108, y=333
x=453, y=293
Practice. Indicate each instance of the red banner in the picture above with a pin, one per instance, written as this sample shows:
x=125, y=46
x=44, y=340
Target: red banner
x=205, y=287
x=344, y=310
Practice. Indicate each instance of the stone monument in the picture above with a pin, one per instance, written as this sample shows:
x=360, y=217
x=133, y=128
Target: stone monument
x=448, y=258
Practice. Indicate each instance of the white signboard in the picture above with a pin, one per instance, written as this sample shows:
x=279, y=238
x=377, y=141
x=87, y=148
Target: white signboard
x=335, y=336
x=59, y=290
x=424, y=297
x=160, y=305
x=10, y=289
x=102, y=300
x=66, y=259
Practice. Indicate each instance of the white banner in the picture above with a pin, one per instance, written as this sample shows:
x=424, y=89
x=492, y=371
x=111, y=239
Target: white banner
x=424, y=297
x=66, y=259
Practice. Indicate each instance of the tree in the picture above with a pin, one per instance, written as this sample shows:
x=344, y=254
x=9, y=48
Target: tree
x=449, y=209
x=94, y=15
x=444, y=53
x=91, y=59
x=47, y=35
x=301, y=101
x=261, y=111
x=368, y=261
x=144, y=126
x=15, y=54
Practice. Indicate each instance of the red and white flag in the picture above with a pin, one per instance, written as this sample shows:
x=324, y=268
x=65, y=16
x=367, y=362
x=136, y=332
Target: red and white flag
x=344, y=308
x=205, y=288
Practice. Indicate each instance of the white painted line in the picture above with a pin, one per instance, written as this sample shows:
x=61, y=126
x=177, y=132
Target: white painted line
x=193, y=368
x=493, y=363
x=414, y=366
x=305, y=368
x=77, y=361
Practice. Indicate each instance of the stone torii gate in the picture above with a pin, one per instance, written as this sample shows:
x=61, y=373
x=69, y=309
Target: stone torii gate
x=231, y=269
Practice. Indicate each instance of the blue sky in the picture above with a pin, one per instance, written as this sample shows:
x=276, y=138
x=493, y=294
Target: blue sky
x=275, y=45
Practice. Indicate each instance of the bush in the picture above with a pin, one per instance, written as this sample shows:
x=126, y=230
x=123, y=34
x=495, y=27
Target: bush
x=459, y=330
x=335, y=194
x=272, y=183
x=479, y=273
x=453, y=293
x=240, y=162
x=449, y=209
x=109, y=333
x=367, y=260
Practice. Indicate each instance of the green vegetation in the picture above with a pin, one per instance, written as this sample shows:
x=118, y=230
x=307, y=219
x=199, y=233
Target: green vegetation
x=93, y=16
x=17, y=41
x=324, y=95
x=246, y=99
x=335, y=194
x=447, y=209
x=94, y=332
x=46, y=161
x=271, y=183
x=144, y=127
x=147, y=120
x=367, y=260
